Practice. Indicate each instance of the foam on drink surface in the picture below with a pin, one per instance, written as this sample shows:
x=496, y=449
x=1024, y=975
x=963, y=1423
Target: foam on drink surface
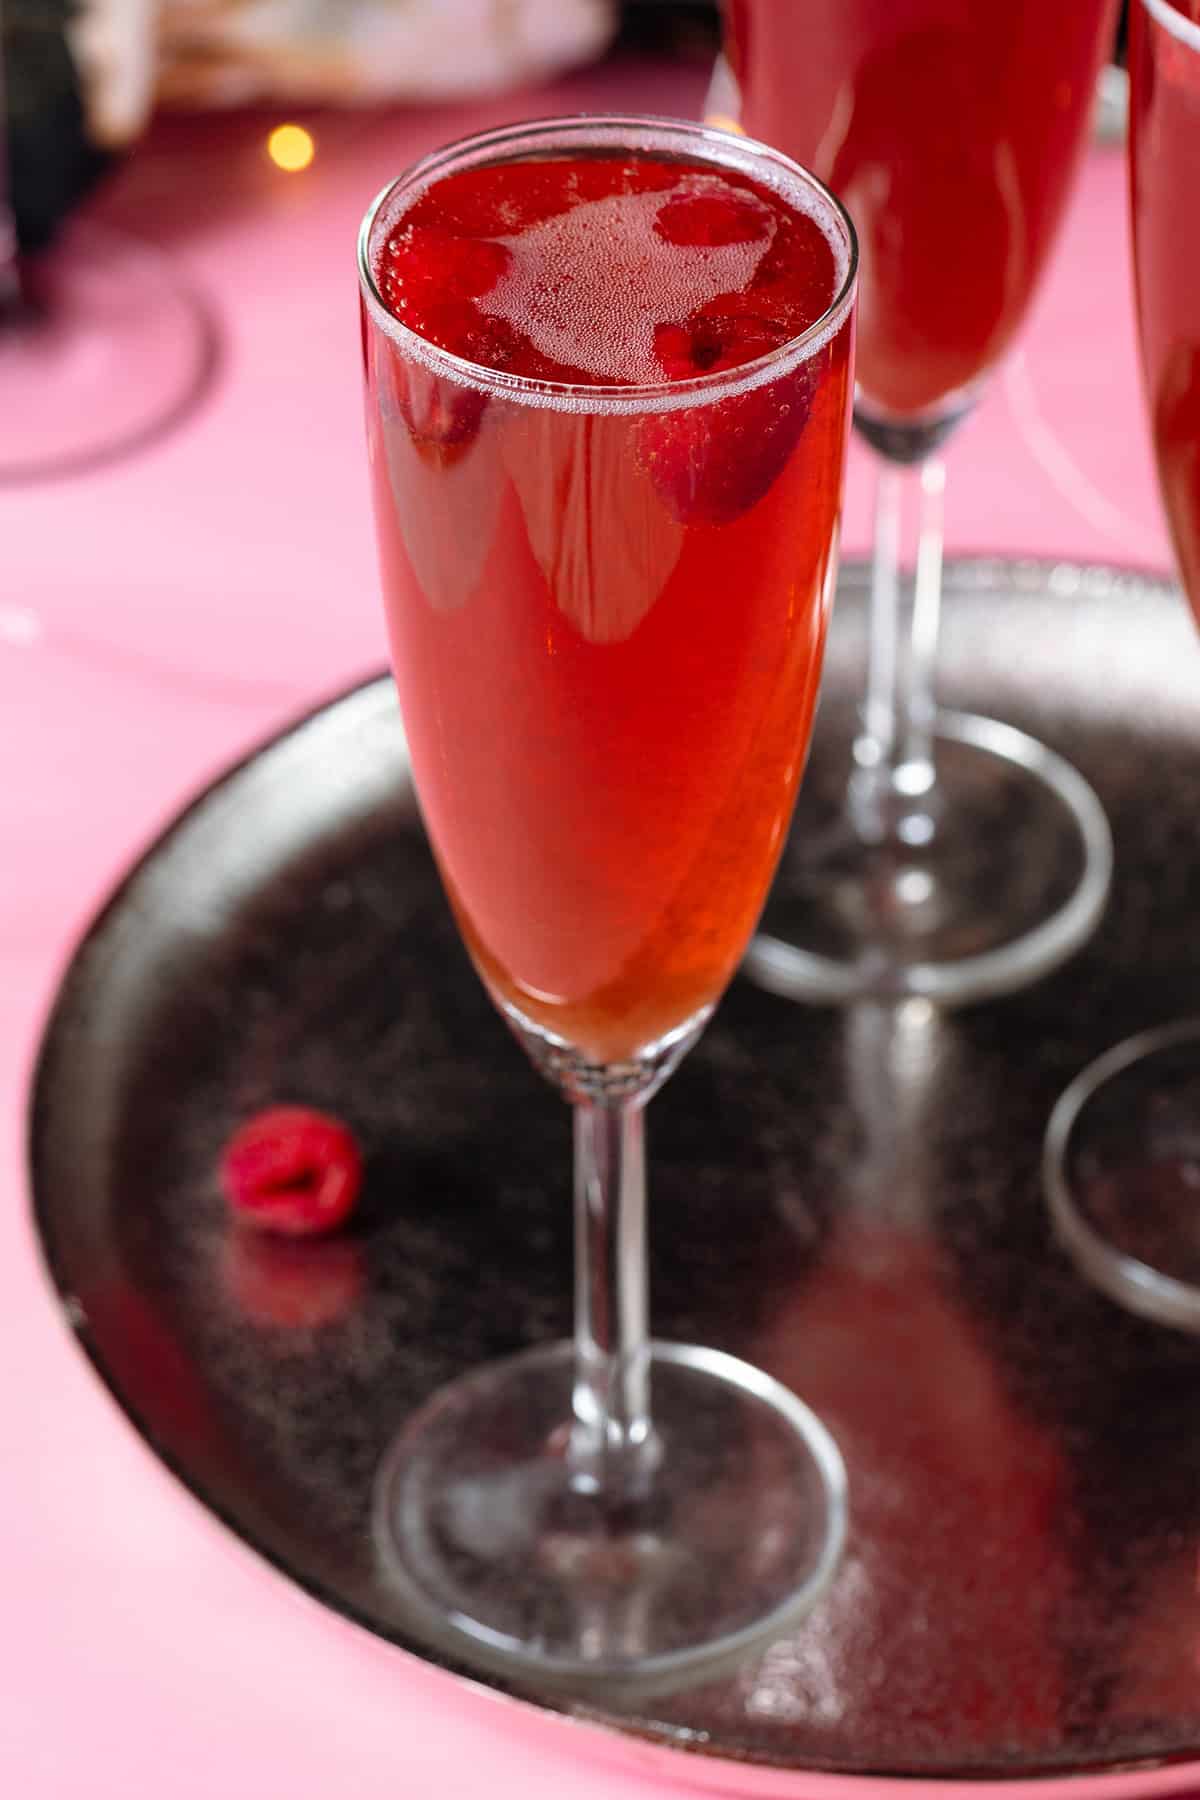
x=589, y=286
x=607, y=270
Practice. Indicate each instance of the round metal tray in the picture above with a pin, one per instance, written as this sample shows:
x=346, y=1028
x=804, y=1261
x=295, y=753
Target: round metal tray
x=849, y=1198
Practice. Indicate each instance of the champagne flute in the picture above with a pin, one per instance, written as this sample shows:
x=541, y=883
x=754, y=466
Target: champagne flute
x=968, y=858
x=606, y=488
x=102, y=346
x=1122, y=1154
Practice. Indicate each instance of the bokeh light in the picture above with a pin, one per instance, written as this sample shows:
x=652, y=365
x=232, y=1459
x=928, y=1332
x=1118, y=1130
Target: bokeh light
x=291, y=148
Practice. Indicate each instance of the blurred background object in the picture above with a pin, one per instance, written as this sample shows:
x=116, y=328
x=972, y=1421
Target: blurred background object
x=682, y=28
x=230, y=52
x=53, y=152
x=103, y=345
x=82, y=77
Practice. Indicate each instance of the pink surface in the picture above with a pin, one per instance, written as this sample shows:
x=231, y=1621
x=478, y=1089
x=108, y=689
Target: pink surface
x=155, y=620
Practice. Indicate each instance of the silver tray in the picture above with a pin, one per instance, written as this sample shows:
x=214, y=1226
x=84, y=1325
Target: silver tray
x=849, y=1198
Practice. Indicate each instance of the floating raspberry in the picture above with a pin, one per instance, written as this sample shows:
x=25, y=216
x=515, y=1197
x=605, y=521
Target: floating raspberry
x=424, y=258
x=721, y=218
x=675, y=348
x=800, y=257
x=710, y=464
x=461, y=327
x=709, y=342
x=442, y=417
x=293, y=1171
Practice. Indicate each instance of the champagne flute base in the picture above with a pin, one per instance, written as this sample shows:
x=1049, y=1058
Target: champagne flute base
x=1121, y=1171
x=722, y=1526
x=986, y=883
x=111, y=350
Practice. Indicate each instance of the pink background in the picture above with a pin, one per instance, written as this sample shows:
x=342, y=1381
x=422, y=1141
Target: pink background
x=156, y=619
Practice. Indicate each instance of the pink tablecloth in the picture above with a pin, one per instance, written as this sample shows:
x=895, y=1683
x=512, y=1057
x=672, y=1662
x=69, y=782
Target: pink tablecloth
x=157, y=618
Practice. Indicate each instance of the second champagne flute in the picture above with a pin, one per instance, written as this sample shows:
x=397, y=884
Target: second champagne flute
x=970, y=858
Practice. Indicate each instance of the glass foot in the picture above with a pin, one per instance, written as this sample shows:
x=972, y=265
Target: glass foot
x=111, y=350
x=1121, y=1170
x=1005, y=876
x=730, y=1528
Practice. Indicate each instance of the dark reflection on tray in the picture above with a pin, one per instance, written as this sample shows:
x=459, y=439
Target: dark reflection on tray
x=851, y=1200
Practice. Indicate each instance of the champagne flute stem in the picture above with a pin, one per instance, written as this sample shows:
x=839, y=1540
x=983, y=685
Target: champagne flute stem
x=917, y=750
x=612, y=1434
x=873, y=748
x=894, y=772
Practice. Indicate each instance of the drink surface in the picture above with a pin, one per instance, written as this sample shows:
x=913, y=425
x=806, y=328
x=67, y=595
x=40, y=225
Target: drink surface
x=950, y=129
x=607, y=609
x=1165, y=177
x=606, y=270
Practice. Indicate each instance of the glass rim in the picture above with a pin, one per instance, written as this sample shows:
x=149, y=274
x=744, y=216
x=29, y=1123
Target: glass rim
x=1177, y=23
x=741, y=151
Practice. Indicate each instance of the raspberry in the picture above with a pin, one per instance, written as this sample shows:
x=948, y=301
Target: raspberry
x=709, y=342
x=675, y=348
x=462, y=328
x=293, y=1171
x=442, y=416
x=695, y=219
x=800, y=256
x=710, y=464
x=421, y=257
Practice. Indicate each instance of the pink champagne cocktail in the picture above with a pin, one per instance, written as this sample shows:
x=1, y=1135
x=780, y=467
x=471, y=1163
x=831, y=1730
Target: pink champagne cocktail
x=608, y=390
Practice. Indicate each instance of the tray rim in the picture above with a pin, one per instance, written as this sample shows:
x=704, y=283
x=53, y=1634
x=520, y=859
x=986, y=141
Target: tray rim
x=691, y=1760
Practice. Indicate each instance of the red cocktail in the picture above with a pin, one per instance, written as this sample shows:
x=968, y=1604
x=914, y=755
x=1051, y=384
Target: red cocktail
x=1165, y=181
x=1122, y=1144
x=608, y=372
x=951, y=129
x=952, y=133
x=607, y=616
